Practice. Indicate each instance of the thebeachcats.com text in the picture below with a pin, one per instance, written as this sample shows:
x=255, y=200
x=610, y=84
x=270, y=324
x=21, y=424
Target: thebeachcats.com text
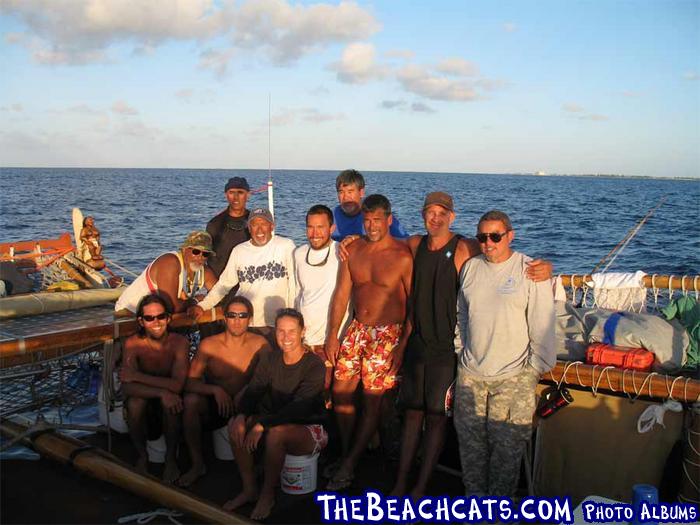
x=374, y=507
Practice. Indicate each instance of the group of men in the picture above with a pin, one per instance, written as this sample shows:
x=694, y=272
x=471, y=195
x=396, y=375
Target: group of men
x=422, y=313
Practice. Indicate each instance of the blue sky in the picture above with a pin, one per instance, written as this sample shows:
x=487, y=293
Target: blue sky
x=464, y=86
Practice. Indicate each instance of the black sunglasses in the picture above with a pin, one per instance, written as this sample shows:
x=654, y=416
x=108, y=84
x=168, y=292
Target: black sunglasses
x=236, y=315
x=203, y=253
x=495, y=237
x=151, y=318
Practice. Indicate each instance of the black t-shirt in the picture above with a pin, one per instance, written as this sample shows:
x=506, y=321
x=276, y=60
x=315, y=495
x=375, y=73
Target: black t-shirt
x=282, y=393
x=227, y=232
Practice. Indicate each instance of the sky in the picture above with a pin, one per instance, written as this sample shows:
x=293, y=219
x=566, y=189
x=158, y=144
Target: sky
x=568, y=87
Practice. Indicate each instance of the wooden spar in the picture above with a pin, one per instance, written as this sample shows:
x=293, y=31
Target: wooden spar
x=690, y=473
x=690, y=283
x=631, y=382
x=106, y=467
x=19, y=351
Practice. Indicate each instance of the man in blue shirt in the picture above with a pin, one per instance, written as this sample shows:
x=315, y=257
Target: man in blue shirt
x=350, y=185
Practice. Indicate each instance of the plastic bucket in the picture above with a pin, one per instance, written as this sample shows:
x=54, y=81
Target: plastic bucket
x=156, y=450
x=116, y=415
x=299, y=474
x=222, y=444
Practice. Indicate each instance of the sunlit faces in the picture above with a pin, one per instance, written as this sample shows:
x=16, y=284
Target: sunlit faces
x=350, y=198
x=154, y=320
x=195, y=258
x=260, y=231
x=289, y=334
x=496, y=252
x=237, y=199
x=237, y=319
x=376, y=224
x=437, y=219
x=318, y=230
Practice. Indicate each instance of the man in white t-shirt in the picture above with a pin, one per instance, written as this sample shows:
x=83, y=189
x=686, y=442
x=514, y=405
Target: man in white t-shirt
x=263, y=267
x=316, y=266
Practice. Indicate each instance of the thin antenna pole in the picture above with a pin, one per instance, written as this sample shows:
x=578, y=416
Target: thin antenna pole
x=270, y=196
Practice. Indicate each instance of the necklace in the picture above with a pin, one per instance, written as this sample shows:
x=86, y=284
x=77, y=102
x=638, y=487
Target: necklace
x=324, y=261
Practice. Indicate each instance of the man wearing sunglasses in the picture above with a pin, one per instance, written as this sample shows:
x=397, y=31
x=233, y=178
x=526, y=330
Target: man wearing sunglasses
x=220, y=369
x=230, y=227
x=177, y=276
x=263, y=268
x=506, y=329
x=153, y=374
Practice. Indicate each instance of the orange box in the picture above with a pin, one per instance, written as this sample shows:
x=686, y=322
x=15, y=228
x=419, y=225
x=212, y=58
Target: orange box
x=619, y=356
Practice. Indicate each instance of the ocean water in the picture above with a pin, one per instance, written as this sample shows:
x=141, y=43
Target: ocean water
x=572, y=221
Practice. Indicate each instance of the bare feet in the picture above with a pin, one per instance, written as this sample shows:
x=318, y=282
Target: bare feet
x=141, y=465
x=264, y=507
x=170, y=472
x=192, y=475
x=416, y=494
x=240, y=500
x=342, y=479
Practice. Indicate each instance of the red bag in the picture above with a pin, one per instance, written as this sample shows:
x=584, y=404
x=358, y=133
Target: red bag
x=619, y=356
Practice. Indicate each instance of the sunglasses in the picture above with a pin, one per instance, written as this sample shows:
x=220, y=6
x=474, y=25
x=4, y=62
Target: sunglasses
x=495, y=237
x=203, y=253
x=236, y=315
x=151, y=318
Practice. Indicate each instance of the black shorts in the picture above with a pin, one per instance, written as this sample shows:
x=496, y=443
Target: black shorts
x=427, y=376
x=213, y=420
x=154, y=418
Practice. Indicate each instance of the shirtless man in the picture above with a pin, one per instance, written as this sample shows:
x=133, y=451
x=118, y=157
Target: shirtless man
x=430, y=362
x=177, y=276
x=377, y=273
x=221, y=368
x=153, y=374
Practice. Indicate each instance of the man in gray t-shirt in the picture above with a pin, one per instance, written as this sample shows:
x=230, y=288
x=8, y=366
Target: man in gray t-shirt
x=506, y=327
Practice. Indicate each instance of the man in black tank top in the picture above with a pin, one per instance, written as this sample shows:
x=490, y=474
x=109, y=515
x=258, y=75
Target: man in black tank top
x=430, y=361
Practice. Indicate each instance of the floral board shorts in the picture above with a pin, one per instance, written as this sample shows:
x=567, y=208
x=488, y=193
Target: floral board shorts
x=365, y=352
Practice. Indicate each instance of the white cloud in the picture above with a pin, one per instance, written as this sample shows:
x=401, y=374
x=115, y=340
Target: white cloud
x=216, y=60
x=594, y=117
x=393, y=104
x=16, y=107
x=571, y=107
x=316, y=117
x=406, y=54
x=83, y=31
x=357, y=64
x=84, y=109
x=631, y=94
x=122, y=108
x=419, y=107
x=419, y=81
x=185, y=95
x=457, y=67
x=320, y=91
x=510, y=27
x=691, y=75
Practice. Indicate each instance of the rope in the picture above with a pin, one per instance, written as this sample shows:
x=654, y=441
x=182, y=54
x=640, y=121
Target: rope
x=259, y=190
x=146, y=517
x=654, y=414
x=121, y=267
x=628, y=237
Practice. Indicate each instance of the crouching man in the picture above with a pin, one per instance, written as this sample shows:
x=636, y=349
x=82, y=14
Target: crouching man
x=153, y=375
x=219, y=371
x=282, y=408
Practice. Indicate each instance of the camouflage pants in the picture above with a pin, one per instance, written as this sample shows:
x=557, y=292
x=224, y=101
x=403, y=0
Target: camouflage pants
x=494, y=422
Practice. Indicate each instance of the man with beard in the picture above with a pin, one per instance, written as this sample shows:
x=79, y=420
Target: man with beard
x=221, y=368
x=230, y=227
x=430, y=361
x=350, y=186
x=316, y=266
x=263, y=267
x=153, y=374
x=176, y=276
x=377, y=274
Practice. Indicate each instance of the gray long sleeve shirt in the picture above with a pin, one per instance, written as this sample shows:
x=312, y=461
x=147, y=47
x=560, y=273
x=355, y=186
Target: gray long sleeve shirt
x=505, y=321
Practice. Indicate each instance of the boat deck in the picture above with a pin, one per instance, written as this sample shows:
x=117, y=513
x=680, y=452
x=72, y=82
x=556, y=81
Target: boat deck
x=56, y=323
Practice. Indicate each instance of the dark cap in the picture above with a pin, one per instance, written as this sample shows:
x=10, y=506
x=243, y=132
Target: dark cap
x=440, y=198
x=198, y=239
x=237, y=183
x=263, y=213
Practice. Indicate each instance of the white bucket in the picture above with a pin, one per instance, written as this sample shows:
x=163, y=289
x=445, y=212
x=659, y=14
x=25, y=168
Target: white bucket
x=156, y=450
x=116, y=415
x=299, y=474
x=222, y=444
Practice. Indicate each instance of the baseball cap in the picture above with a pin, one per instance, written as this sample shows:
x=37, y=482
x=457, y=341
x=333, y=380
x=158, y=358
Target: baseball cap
x=237, y=183
x=440, y=198
x=263, y=213
x=199, y=239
